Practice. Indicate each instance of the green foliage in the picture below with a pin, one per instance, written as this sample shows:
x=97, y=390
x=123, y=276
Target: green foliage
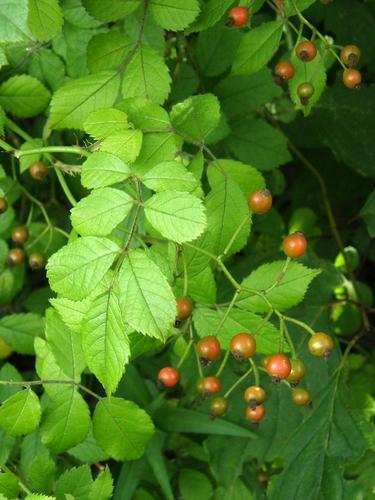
x=157, y=121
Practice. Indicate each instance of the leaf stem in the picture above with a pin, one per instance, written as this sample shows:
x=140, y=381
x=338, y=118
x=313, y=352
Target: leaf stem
x=256, y=372
x=29, y=383
x=19, y=153
x=238, y=382
x=223, y=363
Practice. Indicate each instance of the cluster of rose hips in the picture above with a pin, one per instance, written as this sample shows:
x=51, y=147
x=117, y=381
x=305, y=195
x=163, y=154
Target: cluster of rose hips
x=306, y=51
x=243, y=345
x=20, y=234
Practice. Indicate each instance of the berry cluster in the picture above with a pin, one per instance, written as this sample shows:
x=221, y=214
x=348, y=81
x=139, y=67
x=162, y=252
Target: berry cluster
x=20, y=234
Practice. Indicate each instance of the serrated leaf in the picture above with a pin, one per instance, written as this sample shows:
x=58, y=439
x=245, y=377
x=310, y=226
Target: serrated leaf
x=37, y=496
x=65, y=345
x=248, y=178
x=76, y=269
x=174, y=16
x=226, y=210
x=107, y=10
x=121, y=428
x=76, y=482
x=215, y=49
x=103, y=169
x=76, y=99
x=249, y=92
x=170, y=175
x=45, y=19
x=197, y=116
x=47, y=67
x=13, y=21
x=40, y=472
x=105, y=122
x=71, y=311
x=288, y=293
x=212, y=11
x=88, y=451
x=147, y=76
x=314, y=72
x=100, y=212
x=20, y=414
x=9, y=486
x=66, y=421
x=256, y=142
x=19, y=331
x=104, y=338
x=107, y=51
x=257, y=47
x=126, y=145
x=178, y=216
x=206, y=322
x=146, y=298
x=102, y=488
x=24, y=96
x=9, y=372
x=47, y=368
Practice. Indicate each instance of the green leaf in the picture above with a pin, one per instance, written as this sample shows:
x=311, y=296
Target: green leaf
x=174, y=16
x=212, y=11
x=125, y=145
x=47, y=368
x=178, y=216
x=108, y=10
x=171, y=419
x=19, y=331
x=76, y=482
x=45, y=19
x=215, y=49
x=368, y=214
x=40, y=472
x=65, y=345
x=155, y=458
x=20, y=414
x=71, y=311
x=9, y=372
x=301, y=5
x=24, y=96
x=147, y=76
x=168, y=176
x=257, y=47
x=47, y=67
x=104, y=338
x=197, y=116
x=66, y=421
x=121, y=428
x=207, y=320
x=246, y=177
x=249, y=92
x=103, y=169
x=77, y=14
x=102, y=488
x=6, y=446
x=194, y=484
x=226, y=211
x=76, y=269
x=107, y=51
x=146, y=298
x=9, y=486
x=314, y=72
x=76, y=99
x=289, y=292
x=105, y=122
x=88, y=451
x=100, y=212
x=326, y=439
x=201, y=287
x=37, y=496
x=13, y=21
x=256, y=142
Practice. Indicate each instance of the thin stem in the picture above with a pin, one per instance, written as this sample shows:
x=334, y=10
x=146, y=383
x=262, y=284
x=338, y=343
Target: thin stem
x=280, y=277
x=223, y=363
x=332, y=223
x=7, y=147
x=281, y=339
x=256, y=372
x=21, y=484
x=299, y=323
x=263, y=322
x=185, y=353
x=236, y=233
x=290, y=342
x=185, y=290
x=226, y=314
x=30, y=383
x=65, y=187
x=52, y=149
x=238, y=382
